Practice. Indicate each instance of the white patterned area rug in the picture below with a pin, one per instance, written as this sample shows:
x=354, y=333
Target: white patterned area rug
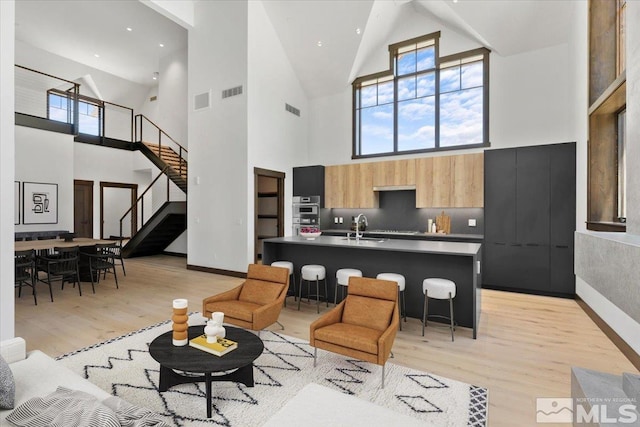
x=123, y=367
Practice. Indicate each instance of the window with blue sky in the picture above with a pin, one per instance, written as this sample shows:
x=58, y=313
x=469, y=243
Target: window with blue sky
x=424, y=103
x=60, y=108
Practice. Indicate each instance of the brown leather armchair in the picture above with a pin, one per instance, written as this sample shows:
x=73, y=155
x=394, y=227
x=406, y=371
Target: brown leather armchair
x=363, y=325
x=256, y=303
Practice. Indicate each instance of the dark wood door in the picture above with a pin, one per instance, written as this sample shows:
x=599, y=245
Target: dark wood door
x=268, y=206
x=83, y=208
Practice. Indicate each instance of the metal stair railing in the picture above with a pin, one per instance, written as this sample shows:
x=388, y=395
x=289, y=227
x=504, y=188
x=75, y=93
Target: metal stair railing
x=141, y=122
x=133, y=210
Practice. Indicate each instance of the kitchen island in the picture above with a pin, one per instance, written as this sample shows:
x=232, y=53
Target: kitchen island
x=415, y=259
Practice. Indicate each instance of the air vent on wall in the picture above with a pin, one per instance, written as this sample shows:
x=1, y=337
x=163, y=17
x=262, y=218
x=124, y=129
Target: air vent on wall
x=201, y=101
x=292, y=109
x=153, y=98
x=232, y=92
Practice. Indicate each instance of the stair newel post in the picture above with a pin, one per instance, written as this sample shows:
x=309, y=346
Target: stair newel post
x=167, y=187
x=159, y=143
x=133, y=127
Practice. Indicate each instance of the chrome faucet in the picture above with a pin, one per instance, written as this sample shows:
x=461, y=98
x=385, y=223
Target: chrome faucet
x=366, y=223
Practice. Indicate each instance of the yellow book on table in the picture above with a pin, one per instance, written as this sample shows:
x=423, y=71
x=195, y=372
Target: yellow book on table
x=219, y=348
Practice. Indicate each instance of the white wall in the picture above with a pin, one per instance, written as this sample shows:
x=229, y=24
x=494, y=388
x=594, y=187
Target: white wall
x=530, y=95
x=35, y=150
x=46, y=157
x=578, y=60
x=530, y=98
x=172, y=94
x=277, y=139
x=7, y=307
x=112, y=88
x=217, y=206
x=103, y=164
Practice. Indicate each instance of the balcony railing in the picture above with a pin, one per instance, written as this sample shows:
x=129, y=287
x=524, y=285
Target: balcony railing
x=53, y=103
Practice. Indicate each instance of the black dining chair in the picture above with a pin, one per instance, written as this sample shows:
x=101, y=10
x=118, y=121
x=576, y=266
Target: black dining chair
x=102, y=262
x=25, y=272
x=63, y=266
x=117, y=251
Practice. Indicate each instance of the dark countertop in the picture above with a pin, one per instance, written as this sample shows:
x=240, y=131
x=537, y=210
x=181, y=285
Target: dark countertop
x=478, y=238
x=396, y=245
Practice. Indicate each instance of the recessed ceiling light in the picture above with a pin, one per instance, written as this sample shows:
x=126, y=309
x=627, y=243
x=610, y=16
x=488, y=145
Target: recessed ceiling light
x=129, y=29
x=161, y=45
x=455, y=1
x=96, y=55
x=319, y=43
x=156, y=75
x=358, y=30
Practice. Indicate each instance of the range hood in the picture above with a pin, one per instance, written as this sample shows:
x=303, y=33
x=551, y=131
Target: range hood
x=394, y=187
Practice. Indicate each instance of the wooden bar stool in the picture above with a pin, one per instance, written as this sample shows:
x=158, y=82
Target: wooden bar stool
x=311, y=273
x=399, y=279
x=288, y=265
x=437, y=288
x=342, y=279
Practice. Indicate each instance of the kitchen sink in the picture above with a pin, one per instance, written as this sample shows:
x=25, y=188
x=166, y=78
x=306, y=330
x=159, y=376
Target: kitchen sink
x=367, y=239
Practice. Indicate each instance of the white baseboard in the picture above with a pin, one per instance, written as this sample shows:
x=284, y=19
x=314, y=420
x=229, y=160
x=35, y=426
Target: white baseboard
x=627, y=328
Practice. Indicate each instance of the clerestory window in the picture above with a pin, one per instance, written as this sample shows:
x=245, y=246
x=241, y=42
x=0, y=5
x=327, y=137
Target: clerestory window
x=424, y=102
x=90, y=111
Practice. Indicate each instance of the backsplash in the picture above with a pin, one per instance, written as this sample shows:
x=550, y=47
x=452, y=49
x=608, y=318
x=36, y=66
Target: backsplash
x=398, y=211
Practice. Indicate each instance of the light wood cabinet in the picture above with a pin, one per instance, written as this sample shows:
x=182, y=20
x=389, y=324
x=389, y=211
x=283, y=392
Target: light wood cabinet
x=441, y=182
x=335, y=183
x=350, y=186
x=450, y=181
x=394, y=173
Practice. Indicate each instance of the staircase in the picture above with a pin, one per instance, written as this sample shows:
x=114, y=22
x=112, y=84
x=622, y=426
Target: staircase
x=163, y=156
x=165, y=226
x=170, y=220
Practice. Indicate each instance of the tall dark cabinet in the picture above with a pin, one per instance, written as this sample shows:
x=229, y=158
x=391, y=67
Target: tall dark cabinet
x=309, y=181
x=530, y=208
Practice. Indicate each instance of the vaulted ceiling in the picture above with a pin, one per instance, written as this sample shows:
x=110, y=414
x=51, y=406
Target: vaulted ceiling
x=80, y=30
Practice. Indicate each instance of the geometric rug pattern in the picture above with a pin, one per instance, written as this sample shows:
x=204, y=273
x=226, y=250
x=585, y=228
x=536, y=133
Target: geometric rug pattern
x=123, y=367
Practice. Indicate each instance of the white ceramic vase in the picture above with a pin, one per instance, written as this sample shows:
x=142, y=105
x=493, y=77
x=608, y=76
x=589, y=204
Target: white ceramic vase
x=214, y=328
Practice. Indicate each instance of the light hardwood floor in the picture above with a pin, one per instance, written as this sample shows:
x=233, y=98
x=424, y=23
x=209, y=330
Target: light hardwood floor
x=525, y=348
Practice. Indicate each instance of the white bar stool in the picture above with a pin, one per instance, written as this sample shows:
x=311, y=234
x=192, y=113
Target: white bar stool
x=342, y=279
x=399, y=279
x=437, y=288
x=289, y=266
x=310, y=273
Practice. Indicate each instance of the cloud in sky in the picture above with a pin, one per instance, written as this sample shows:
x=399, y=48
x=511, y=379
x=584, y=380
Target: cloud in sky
x=461, y=107
x=376, y=129
x=461, y=117
x=416, y=124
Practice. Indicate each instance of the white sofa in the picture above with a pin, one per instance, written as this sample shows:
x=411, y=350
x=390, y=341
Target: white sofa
x=37, y=375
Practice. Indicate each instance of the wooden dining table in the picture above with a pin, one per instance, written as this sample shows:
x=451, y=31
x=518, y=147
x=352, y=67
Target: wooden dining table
x=86, y=245
x=58, y=243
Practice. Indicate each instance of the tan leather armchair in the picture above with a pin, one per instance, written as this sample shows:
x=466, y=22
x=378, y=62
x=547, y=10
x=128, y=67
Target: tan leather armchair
x=363, y=325
x=256, y=303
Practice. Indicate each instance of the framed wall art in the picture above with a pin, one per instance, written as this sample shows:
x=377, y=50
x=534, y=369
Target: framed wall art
x=39, y=203
x=16, y=205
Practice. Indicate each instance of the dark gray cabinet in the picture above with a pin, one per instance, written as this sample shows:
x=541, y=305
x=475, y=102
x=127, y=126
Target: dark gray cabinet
x=309, y=181
x=530, y=219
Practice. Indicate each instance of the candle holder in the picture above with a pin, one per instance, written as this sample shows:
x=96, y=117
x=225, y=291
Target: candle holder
x=180, y=322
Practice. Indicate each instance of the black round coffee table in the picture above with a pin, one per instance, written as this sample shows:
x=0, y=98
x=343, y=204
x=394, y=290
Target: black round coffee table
x=189, y=359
